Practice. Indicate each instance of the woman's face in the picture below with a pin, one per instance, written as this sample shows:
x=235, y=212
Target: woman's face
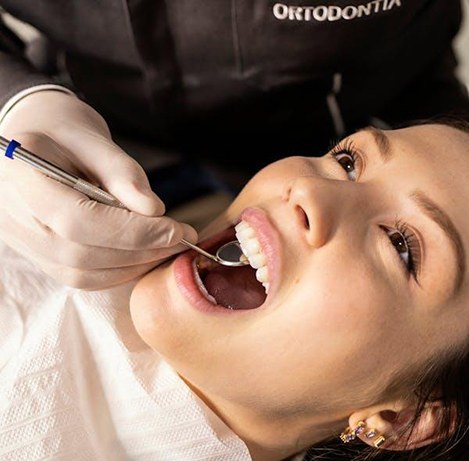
x=363, y=255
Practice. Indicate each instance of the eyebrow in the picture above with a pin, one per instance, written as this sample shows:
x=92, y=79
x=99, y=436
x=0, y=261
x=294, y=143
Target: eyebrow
x=429, y=208
x=382, y=141
x=437, y=215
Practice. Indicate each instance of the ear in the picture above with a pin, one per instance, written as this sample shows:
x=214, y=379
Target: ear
x=392, y=422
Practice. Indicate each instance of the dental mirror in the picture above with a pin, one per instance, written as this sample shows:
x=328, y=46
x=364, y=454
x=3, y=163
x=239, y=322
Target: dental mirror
x=229, y=254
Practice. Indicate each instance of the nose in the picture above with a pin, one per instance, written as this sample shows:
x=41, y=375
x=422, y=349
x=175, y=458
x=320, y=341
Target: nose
x=320, y=205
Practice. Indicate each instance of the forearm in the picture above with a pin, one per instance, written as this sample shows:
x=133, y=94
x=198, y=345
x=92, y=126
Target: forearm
x=16, y=73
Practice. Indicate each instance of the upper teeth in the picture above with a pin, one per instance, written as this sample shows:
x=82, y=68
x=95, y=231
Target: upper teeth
x=252, y=249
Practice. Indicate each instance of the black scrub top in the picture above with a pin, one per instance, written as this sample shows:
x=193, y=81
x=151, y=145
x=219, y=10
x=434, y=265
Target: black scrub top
x=234, y=79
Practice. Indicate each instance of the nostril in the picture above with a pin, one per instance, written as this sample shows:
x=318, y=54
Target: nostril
x=303, y=217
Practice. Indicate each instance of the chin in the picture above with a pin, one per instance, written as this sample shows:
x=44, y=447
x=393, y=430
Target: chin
x=148, y=302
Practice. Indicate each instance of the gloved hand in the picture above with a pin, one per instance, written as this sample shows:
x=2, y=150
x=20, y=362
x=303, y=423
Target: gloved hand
x=74, y=239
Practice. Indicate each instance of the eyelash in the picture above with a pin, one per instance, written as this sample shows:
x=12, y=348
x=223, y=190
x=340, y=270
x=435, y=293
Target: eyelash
x=410, y=239
x=346, y=147
x=411, y=244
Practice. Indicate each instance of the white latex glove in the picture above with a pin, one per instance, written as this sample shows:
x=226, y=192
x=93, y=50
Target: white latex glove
x=74, y=239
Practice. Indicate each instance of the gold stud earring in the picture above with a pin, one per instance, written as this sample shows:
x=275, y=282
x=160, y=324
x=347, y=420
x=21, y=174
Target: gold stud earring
x=379, y=441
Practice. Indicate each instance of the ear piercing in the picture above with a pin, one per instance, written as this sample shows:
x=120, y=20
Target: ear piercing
x=350, y=434
x=379, y=441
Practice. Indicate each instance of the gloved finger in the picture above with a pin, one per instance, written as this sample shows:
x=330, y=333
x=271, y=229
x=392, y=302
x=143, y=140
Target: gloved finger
x=75, y=217
x=96, y=279
x=14, y=209
x=46, y=244
x=85, y=279
x=117, y=173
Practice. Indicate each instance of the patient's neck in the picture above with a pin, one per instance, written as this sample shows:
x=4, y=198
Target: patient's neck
x=272, y=437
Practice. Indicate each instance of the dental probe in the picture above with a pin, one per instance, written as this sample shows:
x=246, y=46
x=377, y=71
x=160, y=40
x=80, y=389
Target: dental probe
x=13, y=150
x=229, y=254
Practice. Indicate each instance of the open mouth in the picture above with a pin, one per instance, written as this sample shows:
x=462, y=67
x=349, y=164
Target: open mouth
x=235, y=288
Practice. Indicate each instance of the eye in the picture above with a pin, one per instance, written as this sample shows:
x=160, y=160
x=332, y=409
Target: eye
x=346, y=156
x=406, y=246
x=400, y=244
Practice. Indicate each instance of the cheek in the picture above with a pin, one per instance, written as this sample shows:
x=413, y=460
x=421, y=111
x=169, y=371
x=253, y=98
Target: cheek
x=340, y=316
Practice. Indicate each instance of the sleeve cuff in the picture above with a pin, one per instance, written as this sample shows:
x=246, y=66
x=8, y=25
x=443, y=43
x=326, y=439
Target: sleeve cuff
x=26, y=92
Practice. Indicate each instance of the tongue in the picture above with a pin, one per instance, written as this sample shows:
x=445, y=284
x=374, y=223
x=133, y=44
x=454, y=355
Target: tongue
x=235, y=288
